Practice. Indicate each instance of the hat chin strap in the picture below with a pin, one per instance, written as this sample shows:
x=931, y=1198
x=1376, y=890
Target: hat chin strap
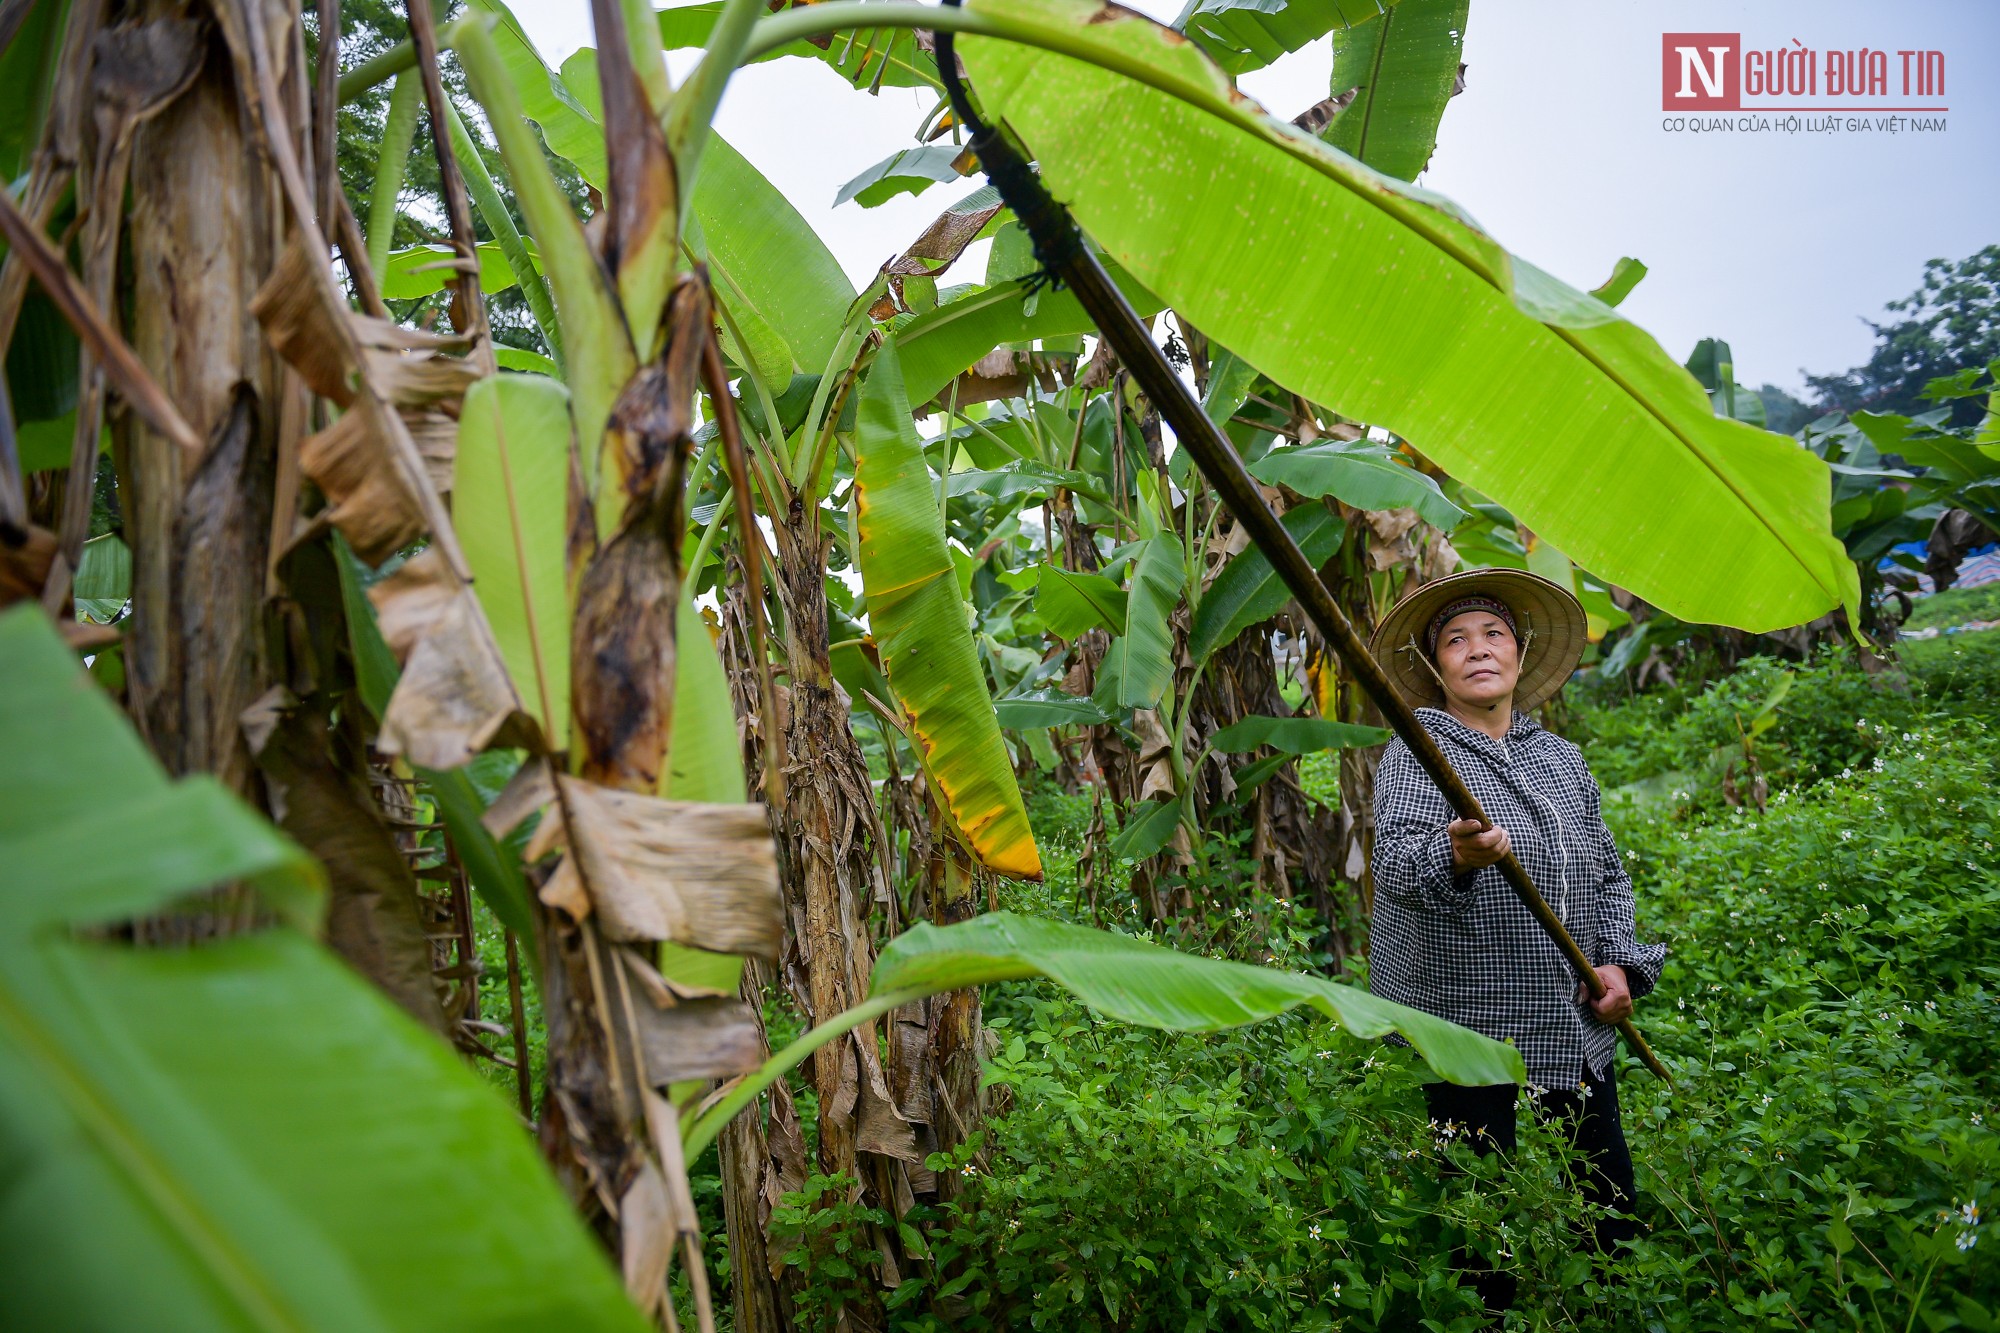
x=1527, y=642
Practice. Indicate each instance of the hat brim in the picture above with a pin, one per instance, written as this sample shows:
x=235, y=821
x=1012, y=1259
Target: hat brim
x=1547, y=615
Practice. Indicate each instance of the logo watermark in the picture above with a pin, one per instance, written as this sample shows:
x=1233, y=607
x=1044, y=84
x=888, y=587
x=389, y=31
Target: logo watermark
x=1711, y=84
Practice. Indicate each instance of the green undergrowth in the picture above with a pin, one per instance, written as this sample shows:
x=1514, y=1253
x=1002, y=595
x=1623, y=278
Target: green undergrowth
x=1955, y=606
x=1830, y=1010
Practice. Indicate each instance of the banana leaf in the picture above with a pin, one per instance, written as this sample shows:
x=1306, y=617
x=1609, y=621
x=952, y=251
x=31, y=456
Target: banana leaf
x=1295, y=735
x=1142, y=658
x=1402, y=69
x=919, y=619
x=1243, y=35
x=1073, y=604
x=940, y=344
x=1366, y=476
x=1534, y=393
x=1248, y=590
x=1139, y=982
x=883, y=58
x=911, y=171
x=510, y=506
x=239, y=1134
x=423, y=269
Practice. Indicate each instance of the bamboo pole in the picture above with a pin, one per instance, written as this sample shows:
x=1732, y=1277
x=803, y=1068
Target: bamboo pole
x=1060, y=249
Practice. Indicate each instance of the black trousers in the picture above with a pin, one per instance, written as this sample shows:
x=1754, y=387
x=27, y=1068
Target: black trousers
x=1595, y=1129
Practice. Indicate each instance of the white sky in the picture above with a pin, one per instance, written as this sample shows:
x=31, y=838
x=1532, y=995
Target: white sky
x=1781, y=244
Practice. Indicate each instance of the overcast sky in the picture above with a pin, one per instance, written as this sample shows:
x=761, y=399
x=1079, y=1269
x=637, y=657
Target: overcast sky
x=1781, y=244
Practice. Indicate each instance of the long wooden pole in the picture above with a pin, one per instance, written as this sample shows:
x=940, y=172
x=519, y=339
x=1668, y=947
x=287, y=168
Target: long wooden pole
x=1060, y=249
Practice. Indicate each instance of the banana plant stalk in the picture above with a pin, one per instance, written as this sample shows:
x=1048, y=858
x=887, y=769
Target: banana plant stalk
x=1059, y=247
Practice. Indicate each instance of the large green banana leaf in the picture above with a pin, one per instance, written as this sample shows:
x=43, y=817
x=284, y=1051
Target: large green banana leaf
x=1244, y=35
x=919, y=620
x=1140, y=982
x=509, y=504
x=234, y=1135
x=1389, y=305
x=1401, y=69
x=1128, y=979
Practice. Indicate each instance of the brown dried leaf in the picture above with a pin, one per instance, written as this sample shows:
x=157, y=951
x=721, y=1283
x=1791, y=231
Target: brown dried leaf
x=653, y=869
x=646, y=1242
x=454, y=698
x=25, y=568
x=436, y=438
x=303, y=327
x=527, y=791
x=699, y=1039
x=372, y=505
x=372, y=917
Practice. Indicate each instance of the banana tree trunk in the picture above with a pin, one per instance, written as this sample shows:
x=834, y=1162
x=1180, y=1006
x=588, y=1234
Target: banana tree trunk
x=204, y=231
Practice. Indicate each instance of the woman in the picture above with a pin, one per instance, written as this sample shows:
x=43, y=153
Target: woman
x=1475, y=652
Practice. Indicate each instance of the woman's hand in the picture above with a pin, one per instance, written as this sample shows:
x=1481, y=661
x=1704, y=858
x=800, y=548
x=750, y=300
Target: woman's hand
x=1616, y=1006
x=1475, y=845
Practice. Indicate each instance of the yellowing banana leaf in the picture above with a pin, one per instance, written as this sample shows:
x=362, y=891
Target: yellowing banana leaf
x=1248, y=590
x=1139, y=982
x=220, y=1136
x=919, y=621
x=1532, y=392
x=1402, y=69
x=1243, y=35
x=509, y=504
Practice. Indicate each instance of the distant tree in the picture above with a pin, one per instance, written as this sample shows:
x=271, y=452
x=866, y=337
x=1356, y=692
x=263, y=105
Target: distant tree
x=1950, y=322
x=1783, y=412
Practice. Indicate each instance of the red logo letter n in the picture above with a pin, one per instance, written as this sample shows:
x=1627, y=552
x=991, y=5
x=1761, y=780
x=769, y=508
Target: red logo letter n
x=1700, y=71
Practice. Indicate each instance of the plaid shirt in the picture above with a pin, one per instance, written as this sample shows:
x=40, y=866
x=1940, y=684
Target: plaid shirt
x=1462, y=946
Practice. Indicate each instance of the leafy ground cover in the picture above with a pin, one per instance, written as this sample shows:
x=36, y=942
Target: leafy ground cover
x=1831, y=1008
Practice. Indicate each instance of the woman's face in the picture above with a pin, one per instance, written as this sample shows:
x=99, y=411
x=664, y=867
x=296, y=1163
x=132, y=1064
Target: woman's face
x=1478, y=659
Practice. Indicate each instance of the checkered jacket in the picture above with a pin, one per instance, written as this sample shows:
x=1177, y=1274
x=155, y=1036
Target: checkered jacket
x=1462, y=946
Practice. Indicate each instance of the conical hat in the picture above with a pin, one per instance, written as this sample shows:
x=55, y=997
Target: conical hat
x=1548, y=616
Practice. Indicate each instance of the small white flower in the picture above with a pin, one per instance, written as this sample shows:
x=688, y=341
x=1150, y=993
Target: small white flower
x=1847, y=835
x=1977, y=1119
x=1336, y=1290
x=1968, y=1215
x=1285, y=903
x=1766, y=1101
x=1931, y=1005
x=1966, y=1240
x=1680, y=1004
x=968, y=1170
x=1313, y=1231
